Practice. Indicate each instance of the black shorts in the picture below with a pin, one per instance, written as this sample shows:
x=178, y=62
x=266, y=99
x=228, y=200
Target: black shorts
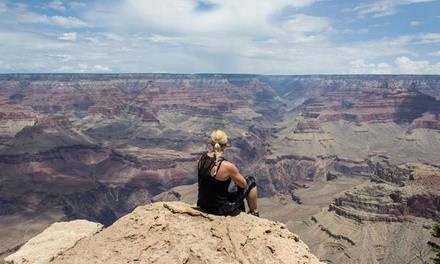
x=236, y=198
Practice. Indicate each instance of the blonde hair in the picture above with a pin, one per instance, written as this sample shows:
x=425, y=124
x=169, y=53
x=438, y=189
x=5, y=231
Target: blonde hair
x=219, y=139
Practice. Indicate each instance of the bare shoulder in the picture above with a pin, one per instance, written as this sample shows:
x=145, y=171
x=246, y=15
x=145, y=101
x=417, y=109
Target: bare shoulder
x=233, y=172
x=229, y=165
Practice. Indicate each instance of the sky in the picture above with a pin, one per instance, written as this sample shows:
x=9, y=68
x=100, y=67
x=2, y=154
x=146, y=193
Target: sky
x=220, y=36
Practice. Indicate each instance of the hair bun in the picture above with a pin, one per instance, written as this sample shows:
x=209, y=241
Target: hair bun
x=219, y=136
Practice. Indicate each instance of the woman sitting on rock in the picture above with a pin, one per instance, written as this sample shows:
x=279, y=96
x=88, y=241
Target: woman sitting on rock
x=215, y=174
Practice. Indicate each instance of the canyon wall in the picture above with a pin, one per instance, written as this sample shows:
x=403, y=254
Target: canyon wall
x=97, y=146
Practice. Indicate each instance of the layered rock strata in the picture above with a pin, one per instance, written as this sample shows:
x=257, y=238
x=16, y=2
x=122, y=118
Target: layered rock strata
x=395, y=194
x=97, y=146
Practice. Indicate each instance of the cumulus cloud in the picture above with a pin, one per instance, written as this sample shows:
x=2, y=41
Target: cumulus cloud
x=359, y=66
x=70, y=36
x=229, y=32
x=402, y=65
x=383, y=8
x=228, y=35
x=187, y=36
x=406, y=65
x=246, y=17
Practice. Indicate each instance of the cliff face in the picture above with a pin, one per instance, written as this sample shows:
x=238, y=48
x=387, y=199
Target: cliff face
x=395, y=194
x=170, y=232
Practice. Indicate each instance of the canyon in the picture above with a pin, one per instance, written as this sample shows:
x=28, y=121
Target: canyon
x=328, y=152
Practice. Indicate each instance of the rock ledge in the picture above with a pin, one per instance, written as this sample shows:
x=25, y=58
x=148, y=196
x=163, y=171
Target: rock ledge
x=54, y=241
x=174, y=232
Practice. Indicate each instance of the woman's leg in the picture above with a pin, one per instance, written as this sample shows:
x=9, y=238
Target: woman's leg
x=249, y=193
x=252, y=199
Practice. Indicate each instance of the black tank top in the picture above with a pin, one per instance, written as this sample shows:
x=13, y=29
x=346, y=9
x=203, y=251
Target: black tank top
x=213, y=194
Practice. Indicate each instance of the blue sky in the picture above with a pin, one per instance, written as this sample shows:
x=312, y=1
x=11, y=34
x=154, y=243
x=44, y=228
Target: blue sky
x=221, y=36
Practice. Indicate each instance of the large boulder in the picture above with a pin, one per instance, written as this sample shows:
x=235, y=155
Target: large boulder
x=175, y=232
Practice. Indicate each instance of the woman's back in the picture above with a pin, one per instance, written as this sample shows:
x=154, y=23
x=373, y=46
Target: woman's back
x=213, y=192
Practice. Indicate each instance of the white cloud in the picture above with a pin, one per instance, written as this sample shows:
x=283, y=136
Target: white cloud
x=102, y=68
x=359, y=31
x=57, y=5
x=155, y=38
x=66, y=68
x=68, y=22
x=402, y=65
x=3, y=8
x=74, y=4
x=359, y=66
x=171, y=36
x=435, y=53
x=383, y=8
x=406, y=65
x=429, y=38
x=378, y=9
x=172, y=17
x=62, y=5
x=70, y=36
x=83, y=67
x=23, y=15
x=113, y=36
x=234, y=36
x=154, y=53
x=306, y=24
x=385, y=47
x=415, y=23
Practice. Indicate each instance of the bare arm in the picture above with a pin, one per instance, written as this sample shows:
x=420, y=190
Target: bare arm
x=235, y=175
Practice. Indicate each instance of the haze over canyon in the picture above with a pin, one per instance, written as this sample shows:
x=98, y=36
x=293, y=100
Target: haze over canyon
x=351, y=163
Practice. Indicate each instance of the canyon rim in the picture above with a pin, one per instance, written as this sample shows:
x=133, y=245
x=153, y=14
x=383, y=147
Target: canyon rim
x=349, y=162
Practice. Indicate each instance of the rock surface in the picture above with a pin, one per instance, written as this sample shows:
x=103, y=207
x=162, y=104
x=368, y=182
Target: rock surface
x=171, y=232
x=54, y=241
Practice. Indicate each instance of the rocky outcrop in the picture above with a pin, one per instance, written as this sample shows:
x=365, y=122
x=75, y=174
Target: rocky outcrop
x=402, y=104
x=54, y=241
x=279, y=174
x=14, y=117
x=372, y=203
x=171, y=232
x=392, y=174
x=395, y=194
